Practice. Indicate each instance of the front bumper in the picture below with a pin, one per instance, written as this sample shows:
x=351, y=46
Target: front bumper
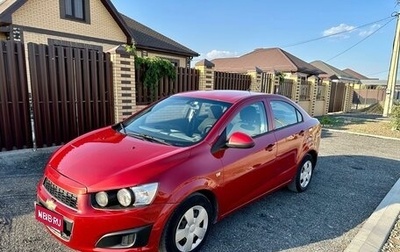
x=89, y=229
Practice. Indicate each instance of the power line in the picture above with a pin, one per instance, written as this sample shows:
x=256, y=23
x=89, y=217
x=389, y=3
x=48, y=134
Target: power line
x=351, y=47
x=337, y=33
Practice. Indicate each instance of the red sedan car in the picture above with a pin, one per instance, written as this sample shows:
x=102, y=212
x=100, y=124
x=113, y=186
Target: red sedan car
x=159, y=180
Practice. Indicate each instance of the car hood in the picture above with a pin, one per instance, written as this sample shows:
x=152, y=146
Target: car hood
x=108, y=159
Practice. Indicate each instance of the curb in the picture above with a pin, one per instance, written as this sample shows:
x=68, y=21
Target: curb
x=375, y=231
x=361, y=134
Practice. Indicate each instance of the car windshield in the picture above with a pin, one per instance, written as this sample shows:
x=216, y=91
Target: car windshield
x=177, y=121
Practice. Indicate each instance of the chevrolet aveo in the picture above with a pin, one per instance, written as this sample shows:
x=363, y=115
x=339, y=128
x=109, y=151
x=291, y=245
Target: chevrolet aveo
x=159, y=180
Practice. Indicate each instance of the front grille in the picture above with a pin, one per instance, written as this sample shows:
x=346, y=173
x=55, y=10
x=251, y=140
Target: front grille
x=60, y=194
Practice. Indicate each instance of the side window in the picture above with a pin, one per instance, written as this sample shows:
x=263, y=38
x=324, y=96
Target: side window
x=251, y=120
x=285, y=114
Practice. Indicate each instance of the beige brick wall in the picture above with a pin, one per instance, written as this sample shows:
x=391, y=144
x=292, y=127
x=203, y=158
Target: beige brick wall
x=2, y=36
x=124, y=85
x=45, y=14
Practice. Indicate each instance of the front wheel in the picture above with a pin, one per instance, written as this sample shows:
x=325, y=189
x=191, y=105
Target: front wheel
x=188, y=226
x=303, y=176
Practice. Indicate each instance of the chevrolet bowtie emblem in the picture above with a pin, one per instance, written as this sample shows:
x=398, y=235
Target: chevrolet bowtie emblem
x=50, y=204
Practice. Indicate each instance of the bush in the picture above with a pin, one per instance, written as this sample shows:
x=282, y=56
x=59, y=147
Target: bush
x=396, y=116
x=326, y=120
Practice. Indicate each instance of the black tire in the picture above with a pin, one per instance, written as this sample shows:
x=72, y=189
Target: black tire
x=303, y=176
x=196, y=233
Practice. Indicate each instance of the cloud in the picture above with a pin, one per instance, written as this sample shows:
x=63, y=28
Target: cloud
x=342, y=29
x=214, y=54
x=369, y=30
x=220, y=54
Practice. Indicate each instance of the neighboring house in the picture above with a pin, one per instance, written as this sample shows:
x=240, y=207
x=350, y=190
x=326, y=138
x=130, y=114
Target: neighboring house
x=342, y=86
x=84, y=23
x=300, y=80
x=334, y=74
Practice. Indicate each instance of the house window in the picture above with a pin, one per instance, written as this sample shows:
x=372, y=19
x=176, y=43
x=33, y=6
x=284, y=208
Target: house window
x=77, y=10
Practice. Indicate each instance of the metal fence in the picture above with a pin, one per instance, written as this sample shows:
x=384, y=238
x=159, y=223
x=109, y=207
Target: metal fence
x=15, y=130
x=285, y=88
x=71, y=92
x=231, y=81
x=187, y=79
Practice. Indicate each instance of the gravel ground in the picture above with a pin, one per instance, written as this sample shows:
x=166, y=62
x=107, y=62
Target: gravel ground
x=379, y=126
x=353, y=175
x=393, y=242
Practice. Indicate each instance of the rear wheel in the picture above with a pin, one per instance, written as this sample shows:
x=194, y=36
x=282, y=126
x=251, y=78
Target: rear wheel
x=188, y=226
x=303, y=176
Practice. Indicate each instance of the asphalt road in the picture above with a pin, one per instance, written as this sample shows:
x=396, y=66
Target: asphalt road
x=353, y=175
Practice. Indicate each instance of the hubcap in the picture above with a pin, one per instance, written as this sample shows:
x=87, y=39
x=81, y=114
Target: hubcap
x=191, y=229
x=306, y=173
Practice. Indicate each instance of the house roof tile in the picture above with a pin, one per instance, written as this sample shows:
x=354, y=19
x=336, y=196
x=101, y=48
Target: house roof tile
x=332, y=72
x=355, y=74
x=266, y=59
x=147, y=38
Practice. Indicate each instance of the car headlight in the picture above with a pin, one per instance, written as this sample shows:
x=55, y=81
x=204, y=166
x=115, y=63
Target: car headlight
x=124, y=197
x=102, y=199
x=141, y=195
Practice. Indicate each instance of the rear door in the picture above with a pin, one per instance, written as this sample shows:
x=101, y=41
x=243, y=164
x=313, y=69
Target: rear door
x=289, y=130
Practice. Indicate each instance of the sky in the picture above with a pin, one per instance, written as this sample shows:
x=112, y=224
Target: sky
x=228, y=28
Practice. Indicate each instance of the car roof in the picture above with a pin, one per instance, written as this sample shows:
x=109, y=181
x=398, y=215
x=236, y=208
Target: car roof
x=230, y=96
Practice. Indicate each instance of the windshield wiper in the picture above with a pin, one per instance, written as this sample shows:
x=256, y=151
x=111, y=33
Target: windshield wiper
x=147, y=138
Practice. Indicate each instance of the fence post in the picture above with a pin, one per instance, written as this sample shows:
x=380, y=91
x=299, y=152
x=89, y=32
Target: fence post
x=276, y=82
x=313, y=80
x=328, y=85
x=255, y=76
x=206, y=76
x=123, y=72
x=296, y=87
x=348, y=97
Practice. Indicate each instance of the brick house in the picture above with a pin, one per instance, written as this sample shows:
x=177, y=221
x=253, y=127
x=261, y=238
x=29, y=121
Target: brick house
x=94, y=23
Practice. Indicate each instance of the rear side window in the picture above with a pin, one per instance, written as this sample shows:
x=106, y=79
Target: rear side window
x=285, y=114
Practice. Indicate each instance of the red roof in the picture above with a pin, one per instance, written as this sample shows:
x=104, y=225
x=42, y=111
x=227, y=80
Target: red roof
x=266, y=59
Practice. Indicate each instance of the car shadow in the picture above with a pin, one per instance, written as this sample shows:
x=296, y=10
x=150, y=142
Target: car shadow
x=344, y=192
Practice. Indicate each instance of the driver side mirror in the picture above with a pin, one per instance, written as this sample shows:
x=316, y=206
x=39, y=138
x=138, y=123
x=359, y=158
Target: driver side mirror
x=240, y=140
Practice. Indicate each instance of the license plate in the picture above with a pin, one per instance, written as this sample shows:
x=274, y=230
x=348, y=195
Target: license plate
x=49, y=218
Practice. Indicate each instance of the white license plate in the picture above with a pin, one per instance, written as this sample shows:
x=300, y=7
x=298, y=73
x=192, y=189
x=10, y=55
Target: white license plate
x=49, y=218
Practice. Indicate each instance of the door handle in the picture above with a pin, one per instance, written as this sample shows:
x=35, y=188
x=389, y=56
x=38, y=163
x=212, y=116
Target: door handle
x=270, y=147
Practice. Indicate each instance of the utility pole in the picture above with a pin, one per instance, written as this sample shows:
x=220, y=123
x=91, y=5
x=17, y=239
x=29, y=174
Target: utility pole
x=394, y=63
